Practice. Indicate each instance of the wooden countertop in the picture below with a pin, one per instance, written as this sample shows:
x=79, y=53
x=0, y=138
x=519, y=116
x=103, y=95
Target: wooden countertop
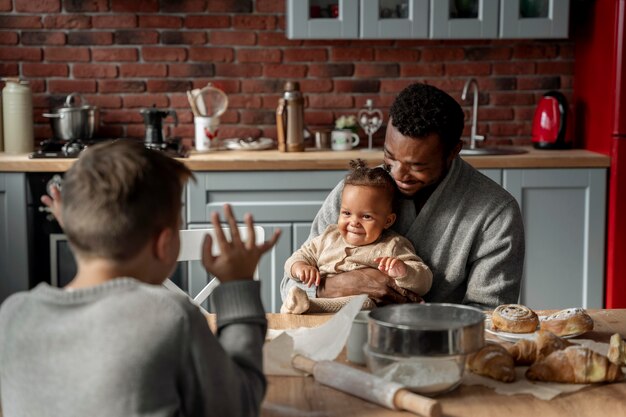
x=273, y=160
x=293, y=396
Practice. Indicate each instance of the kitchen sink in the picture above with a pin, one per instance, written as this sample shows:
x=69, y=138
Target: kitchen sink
x=505, y=150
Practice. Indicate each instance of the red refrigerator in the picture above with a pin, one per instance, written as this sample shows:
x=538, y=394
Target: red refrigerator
x=599, y=30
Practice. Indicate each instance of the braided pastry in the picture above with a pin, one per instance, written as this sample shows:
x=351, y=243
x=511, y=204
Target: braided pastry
x=514, y=318
x=568, y=322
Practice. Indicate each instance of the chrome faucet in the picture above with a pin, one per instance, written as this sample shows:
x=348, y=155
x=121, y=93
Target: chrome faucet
x=473, y=136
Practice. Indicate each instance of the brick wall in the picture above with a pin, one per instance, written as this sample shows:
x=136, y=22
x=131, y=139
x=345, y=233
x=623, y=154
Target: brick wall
x=123, y=55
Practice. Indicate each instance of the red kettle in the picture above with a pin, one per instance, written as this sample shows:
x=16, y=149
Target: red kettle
x=550, y=122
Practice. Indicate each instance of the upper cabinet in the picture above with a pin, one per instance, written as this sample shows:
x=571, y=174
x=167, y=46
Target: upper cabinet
x=424, y=19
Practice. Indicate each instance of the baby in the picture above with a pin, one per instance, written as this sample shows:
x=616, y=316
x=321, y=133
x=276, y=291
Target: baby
x=360, y=239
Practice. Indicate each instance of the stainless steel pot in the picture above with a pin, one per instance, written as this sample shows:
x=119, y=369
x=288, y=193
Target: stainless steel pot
x=74, y=122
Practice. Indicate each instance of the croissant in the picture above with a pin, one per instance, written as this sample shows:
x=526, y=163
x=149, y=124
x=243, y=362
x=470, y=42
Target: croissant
x=574, y=364
x=617, y=350
x=527, y=351
x=493, y=361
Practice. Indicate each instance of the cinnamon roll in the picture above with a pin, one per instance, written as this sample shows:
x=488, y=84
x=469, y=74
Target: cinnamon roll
x=568, y=322
x=514, y=318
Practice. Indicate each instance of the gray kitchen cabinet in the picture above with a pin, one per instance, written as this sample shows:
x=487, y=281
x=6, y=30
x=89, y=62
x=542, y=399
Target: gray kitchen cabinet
x=564, y=222
x=13, y=234
x=534, y=18
x=466, y=19
x=311, y=19
x=393, y=19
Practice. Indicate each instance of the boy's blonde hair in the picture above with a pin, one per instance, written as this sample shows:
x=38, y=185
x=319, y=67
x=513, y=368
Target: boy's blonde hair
x=376, y=177
x=118, y=196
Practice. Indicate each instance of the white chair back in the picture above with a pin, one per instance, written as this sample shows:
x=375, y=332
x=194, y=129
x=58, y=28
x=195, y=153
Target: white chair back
x=191, y=250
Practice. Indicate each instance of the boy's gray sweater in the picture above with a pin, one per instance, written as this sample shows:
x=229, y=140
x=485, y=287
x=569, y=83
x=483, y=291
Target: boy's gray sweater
x=125, y=348
x=469, y=232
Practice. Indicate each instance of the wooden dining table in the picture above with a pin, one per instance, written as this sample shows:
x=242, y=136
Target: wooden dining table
x=303, y=396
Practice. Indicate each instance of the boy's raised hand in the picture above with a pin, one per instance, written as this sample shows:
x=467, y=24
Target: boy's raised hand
x=237, y=260
x=393, y=267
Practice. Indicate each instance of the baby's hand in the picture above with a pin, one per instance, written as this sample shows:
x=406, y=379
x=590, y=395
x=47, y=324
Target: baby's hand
x=393, y=267
x=307, y=274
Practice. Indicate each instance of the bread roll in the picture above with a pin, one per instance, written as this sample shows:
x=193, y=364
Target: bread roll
x=514, y=318
x=617, y=350
x=493, y=361
x=568, y=322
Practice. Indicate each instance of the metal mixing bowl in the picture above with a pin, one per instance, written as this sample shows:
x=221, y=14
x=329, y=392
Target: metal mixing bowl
x=423, y=346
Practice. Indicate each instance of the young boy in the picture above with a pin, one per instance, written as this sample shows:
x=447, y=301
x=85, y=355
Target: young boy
x=360, y=239
x=114, y=342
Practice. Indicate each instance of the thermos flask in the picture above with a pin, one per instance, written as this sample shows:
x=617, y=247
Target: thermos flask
x=290, y=119
x=17, y=112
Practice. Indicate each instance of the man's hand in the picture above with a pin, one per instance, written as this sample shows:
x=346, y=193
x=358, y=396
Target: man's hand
x=393, y=267
x=306, y=273
x=237, y=259
x=377, y=285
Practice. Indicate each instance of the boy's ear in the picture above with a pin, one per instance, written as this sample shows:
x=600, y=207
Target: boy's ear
x=391, y=219
x=163, y=245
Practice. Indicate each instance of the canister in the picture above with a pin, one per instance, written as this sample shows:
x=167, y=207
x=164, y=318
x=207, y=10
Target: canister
x=17, y=113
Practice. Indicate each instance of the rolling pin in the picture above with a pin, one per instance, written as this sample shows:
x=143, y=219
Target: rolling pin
x=367, y=386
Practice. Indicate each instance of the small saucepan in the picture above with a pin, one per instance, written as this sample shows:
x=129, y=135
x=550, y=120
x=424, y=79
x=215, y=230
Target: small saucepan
x=71, y=122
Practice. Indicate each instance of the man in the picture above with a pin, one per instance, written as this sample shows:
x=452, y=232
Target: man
x=464, y=226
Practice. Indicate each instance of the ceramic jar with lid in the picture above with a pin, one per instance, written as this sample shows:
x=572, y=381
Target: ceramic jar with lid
x=17, y=112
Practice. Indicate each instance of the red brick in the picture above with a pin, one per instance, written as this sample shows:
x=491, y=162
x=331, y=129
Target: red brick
x=232, y=38
x=151, y=21
x=66, y=54
x=9, y=69
x=396, y=55
x=67, y=22
x=121, y=116
x=394, y=86
x=538, y=83
x=442, y=54
x=492, y=83
x=488, y=53
x=71, y=86
x=316, y=86
x=9, y=38
x=330, y=101
x=114, y=54
x=208, y=22
x=44, y=70
x=244, y=102
x=534, y=51
x=161, y=86
x=211, y=54
x=566, y=51
x=261, y=86
x=37, y=6
x=136, y=130
x=513, y=68
x=86, y=5
x=284, y=71
x=376, y=70
x=524, y=113
x=259, y=55
x=19, y=53
x=116, y=86
x=254, y=22
x=555, y=67
x=109, y=131
x=105, y=101
x=153, y=53
x=269, y=132
x=94, y=71
x=43, y=38
x=238, y=70
x=508, y=129
x=229, y=86
x=136, y=37
x=6, y=5
x=468, y=68
x=486, y=113
x=230, y=6
x=319, y=118
x=352, y=54
x=37, y=86
x=357, y=86
x=331, y=70
x=269, y=101
x=276, y=39
x=183, y=6
x=90, y=38
x=143, y=6
x=270, y=6
x=144, y=100
x=421, y=70
x=20, y=22
x=514, y=98
x=258, y=117
x=381, y=101
x=305, y=54
x=114, y=21
x=191, y=70
x=143, y=70
x=184, y=38
x=178, y=101
x=230, y=116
